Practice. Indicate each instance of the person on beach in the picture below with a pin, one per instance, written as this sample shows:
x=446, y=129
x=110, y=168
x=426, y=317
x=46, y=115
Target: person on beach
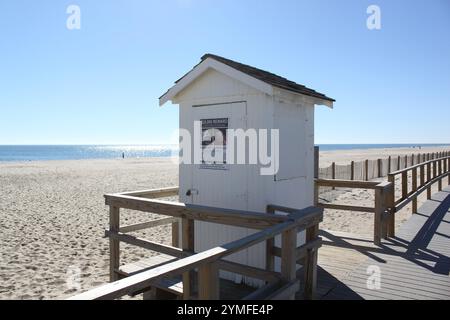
x=123, y=155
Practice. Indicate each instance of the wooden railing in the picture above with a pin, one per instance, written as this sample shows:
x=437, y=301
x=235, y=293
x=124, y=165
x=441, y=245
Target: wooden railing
x=279, y=285
x=414, y=181
x=418, y=178
x=384, y=220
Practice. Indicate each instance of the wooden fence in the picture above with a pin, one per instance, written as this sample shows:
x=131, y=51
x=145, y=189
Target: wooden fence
x=205, y=266
x=371, y=169
x=414, y=181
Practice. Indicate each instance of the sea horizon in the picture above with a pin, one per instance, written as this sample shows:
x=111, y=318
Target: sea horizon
x=18, y=153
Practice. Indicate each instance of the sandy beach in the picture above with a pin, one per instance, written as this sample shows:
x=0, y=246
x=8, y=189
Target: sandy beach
x=52, y=217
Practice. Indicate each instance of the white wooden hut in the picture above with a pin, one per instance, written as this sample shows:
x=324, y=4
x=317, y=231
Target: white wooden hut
x=222, y=93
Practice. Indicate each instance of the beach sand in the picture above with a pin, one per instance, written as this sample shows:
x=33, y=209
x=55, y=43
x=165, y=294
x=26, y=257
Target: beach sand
x=53, y=216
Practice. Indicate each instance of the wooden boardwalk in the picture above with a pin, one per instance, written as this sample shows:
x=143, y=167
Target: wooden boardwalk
x=415, y=264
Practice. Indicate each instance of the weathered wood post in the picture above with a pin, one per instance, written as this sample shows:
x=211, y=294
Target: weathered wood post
x=391, y=205
x=288, y=259
x=310, y=274
x=428, y=180
x=187, y=244
x=352, y=170
x=414, y=189
x=379, y=164
x=114, y=244
x=422, y=175
x=377, y=230
x=406, y=161
x=404, y=184
x=439, y=174
x=333, y=172
x=316, y=174
x=208, y=281
x=176, y=234
x=389, y=164
x=270, y=243
x=366, y=170
x=398, y=163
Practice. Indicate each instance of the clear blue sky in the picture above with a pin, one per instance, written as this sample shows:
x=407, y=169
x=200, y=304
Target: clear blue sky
x=100, y=84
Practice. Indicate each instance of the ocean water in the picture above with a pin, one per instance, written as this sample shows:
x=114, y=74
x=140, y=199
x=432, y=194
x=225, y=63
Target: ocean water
x=72, y=152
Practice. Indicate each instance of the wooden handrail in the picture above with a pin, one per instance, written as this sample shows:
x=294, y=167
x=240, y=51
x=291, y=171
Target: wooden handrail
x=204, y=260
x=248, y=219
x=394, y=173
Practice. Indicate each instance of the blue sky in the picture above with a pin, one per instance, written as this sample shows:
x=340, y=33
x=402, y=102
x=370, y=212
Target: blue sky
x=100, y=84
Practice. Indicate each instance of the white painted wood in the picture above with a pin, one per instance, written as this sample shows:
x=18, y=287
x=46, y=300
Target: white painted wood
x=242, y=187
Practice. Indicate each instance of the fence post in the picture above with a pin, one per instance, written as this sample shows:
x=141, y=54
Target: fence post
x=352, y=170
x=414, y=189
x=366, y=169
x=208, y=281
x=333, y=172
x=310, y=273
x=379, y=209
x=389, y=165
x=406, y=161
x=316, y=162
x=187, y=243
x=428, y=180
x=398, y=163
x=440, y=173
x=391, y=206
x=379, y=168
x=114, y=244
x=288, y=260
x=404, y=184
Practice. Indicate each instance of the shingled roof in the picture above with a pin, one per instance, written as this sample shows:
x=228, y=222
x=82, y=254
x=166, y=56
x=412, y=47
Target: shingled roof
x=268, y=77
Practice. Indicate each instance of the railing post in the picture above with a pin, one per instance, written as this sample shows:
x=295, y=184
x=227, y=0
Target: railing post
x=422, y=175
x=439, y=174
x=406, y=161
x=208, y=281
x=288, y=261
x=414, y=189
x=114, y=244
x=398, y=163
x=448, y=169
x=390, y=202
x=270, y=243
x=428, y=180
x=378, y=225
x=404, y=184
x=176, y=234
x=310, y=266
x=187, y=243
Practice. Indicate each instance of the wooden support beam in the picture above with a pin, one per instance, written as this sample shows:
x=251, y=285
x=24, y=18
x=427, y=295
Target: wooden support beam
x=187, y=244
x=389, y=165
x=378, y=218
x=208, y=281
x=270, y=243
x=114, y=245
x=310, y=266
x=390, y=202
x=288, y=260
x=422, y=175
x=439, y=173
x=429, y=178
x=380, y=169
x=404, y=184
x=333, y=172
x=176, y=234
x=414, y=189
x=398, y=163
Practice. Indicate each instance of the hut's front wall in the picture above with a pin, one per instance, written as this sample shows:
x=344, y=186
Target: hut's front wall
x=242, y=187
